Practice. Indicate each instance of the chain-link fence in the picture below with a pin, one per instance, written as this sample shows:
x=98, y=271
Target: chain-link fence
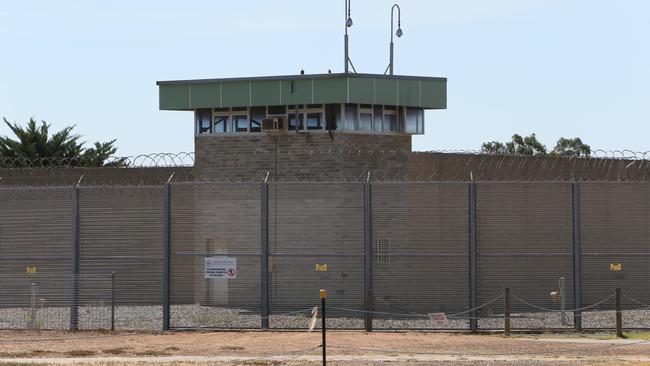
x=392, y=255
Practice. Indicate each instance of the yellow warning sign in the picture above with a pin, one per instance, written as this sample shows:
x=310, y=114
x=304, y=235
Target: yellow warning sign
x=615, y=266
x=31, y=269
x=321, y=267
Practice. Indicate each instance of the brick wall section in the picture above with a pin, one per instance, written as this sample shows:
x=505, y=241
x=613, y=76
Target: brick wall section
x=93, y=176
x=291, y=156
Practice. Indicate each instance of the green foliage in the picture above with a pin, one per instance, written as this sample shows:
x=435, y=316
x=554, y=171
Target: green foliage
x=571, y=147
x=519, y=145
x=529, y=145
x=34, y=141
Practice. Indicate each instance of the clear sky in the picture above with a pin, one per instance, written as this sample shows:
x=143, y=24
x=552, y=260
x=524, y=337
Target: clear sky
x=553, y=67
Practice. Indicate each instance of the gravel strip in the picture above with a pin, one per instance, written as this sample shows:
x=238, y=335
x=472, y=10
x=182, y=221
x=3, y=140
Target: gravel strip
x=149, y=318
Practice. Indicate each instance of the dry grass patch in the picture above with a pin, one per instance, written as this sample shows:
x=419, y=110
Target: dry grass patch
x=116, y=350
x=153, y=352
x=232, y=348
x=22, y=354
x=80, y=353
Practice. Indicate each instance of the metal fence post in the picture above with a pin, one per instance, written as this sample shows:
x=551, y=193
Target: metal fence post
x=367, y=257
x=619, y=314
x=577, y=256
x=562, y=288
x=264, y=258
x=473, y=314
x=74, y=262
x=166, y=256
x=323, y=295
x=506, y=312
x=112, y=301
x=32, y=304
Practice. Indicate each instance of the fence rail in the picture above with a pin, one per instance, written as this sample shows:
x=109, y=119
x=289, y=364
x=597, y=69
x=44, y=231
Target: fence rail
x=392, y=255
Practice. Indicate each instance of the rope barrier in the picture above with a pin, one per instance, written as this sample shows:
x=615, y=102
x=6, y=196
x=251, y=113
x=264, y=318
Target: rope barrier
x=477, y=307
x=565, y=310
x=288, y=313
x=646, y=306
x=418, y=315
x=393, y=306
x=378, y=312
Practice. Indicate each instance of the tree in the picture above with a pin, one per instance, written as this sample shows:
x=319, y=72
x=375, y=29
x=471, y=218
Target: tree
x=35, y=142
x=571, y=147
x=519, y=145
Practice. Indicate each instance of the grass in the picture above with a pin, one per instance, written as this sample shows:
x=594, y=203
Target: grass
x=116, y=350
x=232, y=348
x=599, y=336
x=22, y=354
x=80, y=353
x=637, y=335
x=153, y=352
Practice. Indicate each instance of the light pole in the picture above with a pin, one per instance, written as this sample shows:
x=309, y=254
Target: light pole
x=348, y=24
x=398, y=33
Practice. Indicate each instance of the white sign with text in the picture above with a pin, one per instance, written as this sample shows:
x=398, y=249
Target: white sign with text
x=220, y=267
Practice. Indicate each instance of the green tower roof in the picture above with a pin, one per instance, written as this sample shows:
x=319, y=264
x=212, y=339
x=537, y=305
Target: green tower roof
x=408, y=91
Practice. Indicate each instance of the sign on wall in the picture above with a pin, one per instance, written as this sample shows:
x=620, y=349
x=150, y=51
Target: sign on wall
x=220, y=267
x=615, y=266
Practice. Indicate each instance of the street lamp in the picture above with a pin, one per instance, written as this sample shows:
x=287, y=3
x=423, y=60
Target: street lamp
x=348, y=24
x=399, y=33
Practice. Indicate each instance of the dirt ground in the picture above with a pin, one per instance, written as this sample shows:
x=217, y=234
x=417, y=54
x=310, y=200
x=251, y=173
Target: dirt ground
x=301, y=348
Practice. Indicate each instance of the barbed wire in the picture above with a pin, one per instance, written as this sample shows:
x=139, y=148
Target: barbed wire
x=357, y=165
x=594, y=154
x=153, y=160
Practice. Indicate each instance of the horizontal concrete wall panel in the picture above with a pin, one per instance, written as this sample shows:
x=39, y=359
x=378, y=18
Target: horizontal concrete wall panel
x=420, y=237
x=124, y=222
x=35, y=224
x=316, y=218
x=215, y=220
x=524, y=237
x=421, y=218
x=615, y=241
x=295, y=283
x=422, y=285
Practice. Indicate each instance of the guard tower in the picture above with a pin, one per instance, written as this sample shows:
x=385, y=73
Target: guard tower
x=239, y=120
